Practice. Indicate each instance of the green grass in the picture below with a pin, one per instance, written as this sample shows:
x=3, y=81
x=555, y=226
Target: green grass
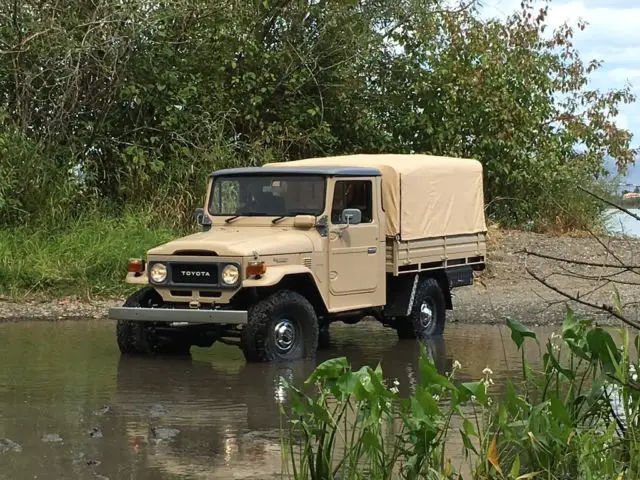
x=84, y=257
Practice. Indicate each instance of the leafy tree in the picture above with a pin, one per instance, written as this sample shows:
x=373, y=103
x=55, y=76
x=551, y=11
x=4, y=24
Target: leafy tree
x=132, y=103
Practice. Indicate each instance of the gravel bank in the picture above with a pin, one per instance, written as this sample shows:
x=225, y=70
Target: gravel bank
x=507, y=290
x=504, y=290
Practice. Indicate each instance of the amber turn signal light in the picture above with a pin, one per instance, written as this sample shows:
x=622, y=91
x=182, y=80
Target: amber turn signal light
x=135, y=265
x=256, y=269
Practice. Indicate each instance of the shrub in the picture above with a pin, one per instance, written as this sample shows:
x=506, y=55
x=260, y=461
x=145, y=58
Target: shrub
x=576, y=418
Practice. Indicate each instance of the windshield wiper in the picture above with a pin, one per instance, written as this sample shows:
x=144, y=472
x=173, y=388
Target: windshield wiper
x=231, y=219
x=290, y=214
x=276, y=220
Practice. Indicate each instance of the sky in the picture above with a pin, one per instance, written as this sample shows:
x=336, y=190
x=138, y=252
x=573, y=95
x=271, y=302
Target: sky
x=612, y=36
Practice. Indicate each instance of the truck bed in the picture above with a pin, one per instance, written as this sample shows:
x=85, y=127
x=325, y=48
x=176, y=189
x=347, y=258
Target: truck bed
x=436, y=253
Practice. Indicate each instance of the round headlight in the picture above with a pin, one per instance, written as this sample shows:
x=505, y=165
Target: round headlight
x=158, y=272
x=230, y=274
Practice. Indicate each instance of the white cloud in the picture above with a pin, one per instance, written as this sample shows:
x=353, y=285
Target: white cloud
x=612, y=35
x=622, y=120
x=606, y=26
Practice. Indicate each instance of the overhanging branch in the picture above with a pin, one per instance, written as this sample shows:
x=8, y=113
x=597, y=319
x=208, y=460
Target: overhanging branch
x=604, y=307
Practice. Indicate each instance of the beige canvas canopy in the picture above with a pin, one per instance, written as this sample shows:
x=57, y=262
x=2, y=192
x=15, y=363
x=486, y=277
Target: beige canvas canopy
x=423, y=196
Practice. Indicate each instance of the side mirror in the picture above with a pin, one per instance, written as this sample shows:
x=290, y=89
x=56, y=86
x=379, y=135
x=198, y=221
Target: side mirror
x=351, y=216
x=304, y=221
x=203, y=219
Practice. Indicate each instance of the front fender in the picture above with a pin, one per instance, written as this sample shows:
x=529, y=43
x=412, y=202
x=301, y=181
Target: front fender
x=274, y=275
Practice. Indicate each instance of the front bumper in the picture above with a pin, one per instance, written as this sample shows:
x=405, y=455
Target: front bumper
x=179, y=315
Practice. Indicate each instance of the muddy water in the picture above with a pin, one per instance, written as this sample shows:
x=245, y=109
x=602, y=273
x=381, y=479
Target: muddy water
x=71, y=407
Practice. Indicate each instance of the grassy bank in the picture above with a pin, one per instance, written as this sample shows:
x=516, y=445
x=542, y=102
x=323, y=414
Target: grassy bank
x=87, y=257
x=575, y=416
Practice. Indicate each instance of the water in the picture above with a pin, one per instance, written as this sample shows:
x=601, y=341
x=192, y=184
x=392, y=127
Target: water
x=621, y=223
x=76, y=409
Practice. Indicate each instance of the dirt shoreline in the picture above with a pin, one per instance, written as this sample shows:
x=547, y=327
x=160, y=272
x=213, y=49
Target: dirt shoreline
x=504, y=290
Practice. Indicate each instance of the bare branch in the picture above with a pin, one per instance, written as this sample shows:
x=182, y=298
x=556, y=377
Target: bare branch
x=604, y=307
x=579, y=262
x=612, y=204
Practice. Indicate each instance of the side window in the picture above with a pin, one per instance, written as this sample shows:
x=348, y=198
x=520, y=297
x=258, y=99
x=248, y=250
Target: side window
x=352, y=194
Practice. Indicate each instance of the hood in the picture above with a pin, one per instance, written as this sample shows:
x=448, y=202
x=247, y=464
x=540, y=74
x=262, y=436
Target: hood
x=238, y=242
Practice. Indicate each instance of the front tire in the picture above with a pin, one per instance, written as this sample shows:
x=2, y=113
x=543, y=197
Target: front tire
x=139, y=338
x=282, y=327
x=129, y=334
x=428, y=313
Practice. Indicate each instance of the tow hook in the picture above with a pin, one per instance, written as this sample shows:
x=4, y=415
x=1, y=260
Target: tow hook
x=194, y=304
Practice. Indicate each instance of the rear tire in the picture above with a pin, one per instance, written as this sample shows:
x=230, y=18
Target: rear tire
x=282, y=327
x=428, y=313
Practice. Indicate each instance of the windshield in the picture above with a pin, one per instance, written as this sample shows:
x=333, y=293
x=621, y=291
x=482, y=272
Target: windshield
x=268, y=195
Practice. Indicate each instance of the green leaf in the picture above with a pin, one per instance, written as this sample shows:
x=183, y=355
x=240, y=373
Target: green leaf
x=515, y=467
x=427, y=402
x=429, y=375
x=617, y=301
x=559, y=411
x=519, y=332
x=467, y=442
x=478, y=390
x=554, y=361
x=328, y=370
x=603, y=348
x=468, y=428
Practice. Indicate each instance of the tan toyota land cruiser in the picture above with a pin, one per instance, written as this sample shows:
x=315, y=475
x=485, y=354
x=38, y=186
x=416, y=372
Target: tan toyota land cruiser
x=290, y=247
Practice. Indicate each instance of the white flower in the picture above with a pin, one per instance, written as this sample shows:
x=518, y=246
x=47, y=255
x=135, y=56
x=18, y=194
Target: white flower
x=394, y=390
x=555, y=335
x=396, y=383
x=487, y=371
x=456, y=365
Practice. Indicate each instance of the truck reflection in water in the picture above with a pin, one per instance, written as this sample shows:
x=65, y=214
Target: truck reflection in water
x=184, y=416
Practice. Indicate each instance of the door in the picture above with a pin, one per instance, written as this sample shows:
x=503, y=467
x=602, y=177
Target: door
x=355, y=257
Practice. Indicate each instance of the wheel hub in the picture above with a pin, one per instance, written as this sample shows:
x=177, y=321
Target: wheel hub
x=426, y=314
x=285, y=335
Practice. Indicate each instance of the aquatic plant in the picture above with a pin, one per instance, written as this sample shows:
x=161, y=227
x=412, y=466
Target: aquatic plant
x=574, y=417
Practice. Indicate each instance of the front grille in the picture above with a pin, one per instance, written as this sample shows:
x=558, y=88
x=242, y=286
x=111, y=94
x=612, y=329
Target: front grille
x=181, y=293
x=206, y=294
x=194, y=273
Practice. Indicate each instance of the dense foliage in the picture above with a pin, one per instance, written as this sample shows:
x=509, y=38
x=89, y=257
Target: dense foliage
x=574, y=416
x=130, y=103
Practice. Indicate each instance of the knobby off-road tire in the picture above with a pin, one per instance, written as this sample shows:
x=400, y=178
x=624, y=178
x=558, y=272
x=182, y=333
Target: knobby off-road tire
x=129, y=334
x=427, y=315
x=282, y=327
x=139, y=338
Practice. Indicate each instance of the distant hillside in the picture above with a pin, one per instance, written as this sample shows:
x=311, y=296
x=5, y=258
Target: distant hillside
x=631, y=180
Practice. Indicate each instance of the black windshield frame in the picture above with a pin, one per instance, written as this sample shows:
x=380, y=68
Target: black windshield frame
x=322, y=180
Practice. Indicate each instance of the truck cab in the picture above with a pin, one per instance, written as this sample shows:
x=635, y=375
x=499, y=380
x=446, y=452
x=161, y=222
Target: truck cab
x=283, y=251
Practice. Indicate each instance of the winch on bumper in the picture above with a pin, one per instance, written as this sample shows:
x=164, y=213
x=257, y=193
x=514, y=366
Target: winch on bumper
x=180, y=315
